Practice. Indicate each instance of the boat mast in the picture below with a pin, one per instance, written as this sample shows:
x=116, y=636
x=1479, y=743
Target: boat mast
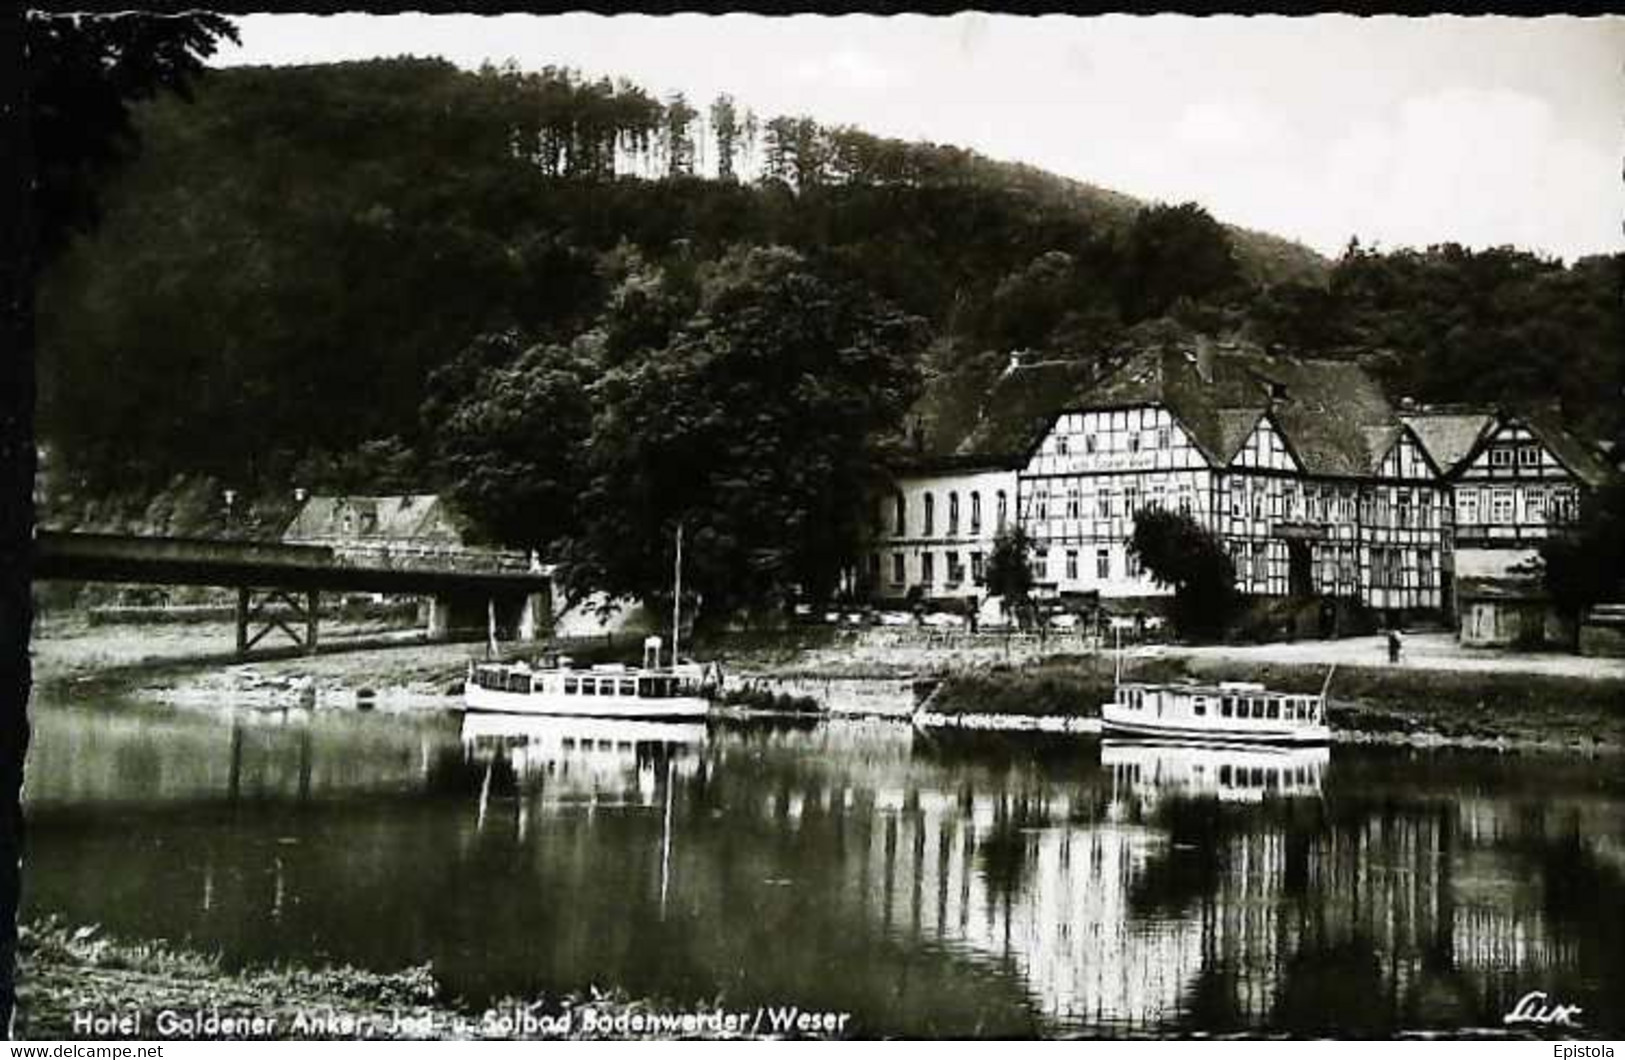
x=677, y=596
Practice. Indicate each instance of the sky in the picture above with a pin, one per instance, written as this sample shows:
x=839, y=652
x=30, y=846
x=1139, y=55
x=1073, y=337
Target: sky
x=1401, y=132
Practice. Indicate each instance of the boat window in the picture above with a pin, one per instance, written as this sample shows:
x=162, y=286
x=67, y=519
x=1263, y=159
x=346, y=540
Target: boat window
x=1274, y=709
x=628, y=688
x=569, y=743
x=1224, y=775
x=1199, y=706
x=1227, y=706
x=570, y=686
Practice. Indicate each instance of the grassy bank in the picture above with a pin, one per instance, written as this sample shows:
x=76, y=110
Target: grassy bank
x=1367, y=702
x=64, y=972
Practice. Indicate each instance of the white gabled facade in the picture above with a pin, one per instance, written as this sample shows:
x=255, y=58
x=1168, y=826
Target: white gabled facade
x=1085, y=480
x=1509, y=491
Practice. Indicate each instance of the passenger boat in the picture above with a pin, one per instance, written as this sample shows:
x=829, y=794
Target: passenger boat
x=614, y=690
x=556, y=687
x=1229, y=711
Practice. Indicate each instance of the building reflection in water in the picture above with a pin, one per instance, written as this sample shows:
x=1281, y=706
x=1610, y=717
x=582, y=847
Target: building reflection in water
x=1214, y=888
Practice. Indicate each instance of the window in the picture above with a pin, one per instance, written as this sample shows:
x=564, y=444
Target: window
x=930, y=515
x=1199, y=706
x=1062, y=446
x=1041, y=503
x=1273, y=712
x=1103, y=505
x=956, y=569
x=1071, y=564
x=1534, y=505
x=1500, y=506
x=1562, y=506
x=1184, y=501
x=1103, y=563
x=1424, y=568
x=1261, y=562
x=953, y=513
x=1131, y=560
x=900, y=514
x=1134, y=442
x=898, y=572
x=928, y=568
x=1467, y=505
x=1089, y=443
x=1501, y=457
x=1529, y=456
x=1072, y=502
x=1402, y=509
x=976, y=567
x=1000, y=515
x=1041, y=566
x=1131, y=500
x=1227, y=708
x=975, y=512
x=1162, y=438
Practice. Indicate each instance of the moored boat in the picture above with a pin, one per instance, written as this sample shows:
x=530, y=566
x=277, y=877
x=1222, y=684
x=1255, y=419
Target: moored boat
x=1228, y=711
x=555, y=687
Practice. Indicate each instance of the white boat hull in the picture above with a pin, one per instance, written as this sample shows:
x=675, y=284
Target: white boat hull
x=1115, y=720
x=478, y=699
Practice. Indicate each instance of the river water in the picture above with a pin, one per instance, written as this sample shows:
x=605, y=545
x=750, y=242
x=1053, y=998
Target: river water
x=929, y=884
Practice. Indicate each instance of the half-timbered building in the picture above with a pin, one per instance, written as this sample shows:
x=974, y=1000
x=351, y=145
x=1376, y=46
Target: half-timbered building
x=1315, y=482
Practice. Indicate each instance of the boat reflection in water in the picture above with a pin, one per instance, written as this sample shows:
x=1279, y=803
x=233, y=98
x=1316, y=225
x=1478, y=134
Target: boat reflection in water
x=595, y=761
x=1153, y=770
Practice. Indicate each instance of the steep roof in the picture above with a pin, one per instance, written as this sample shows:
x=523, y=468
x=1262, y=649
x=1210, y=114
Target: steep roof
x=413, y=516
x=1449, y=435
x=1585, y=463
x=1332, y=414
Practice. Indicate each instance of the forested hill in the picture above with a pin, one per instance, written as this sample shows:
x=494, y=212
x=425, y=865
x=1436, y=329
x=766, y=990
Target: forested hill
x=397, y=275
x=292, y=254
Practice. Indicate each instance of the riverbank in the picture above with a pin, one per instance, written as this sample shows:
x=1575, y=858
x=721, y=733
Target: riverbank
x=1439, y=694
x=75, y=984
x=1399, y=705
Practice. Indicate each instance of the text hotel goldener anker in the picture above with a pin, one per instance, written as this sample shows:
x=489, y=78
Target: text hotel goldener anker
x=513, y=1021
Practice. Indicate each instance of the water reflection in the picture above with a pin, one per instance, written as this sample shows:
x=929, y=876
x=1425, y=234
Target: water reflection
x=930, y=884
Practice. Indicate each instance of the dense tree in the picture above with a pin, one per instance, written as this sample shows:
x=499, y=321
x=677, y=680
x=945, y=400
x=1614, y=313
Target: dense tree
x=754, y=428
x=1174, y=252
x=1585, y=562
x=1010, y=574
x=512, y=447
x=1181, y=554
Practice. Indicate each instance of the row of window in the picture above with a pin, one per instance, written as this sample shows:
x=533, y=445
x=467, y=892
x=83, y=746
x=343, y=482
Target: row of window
x=1515, y=456
x=1500, y=505
x=953, y=561
x=1128, y=442
x=900, y=514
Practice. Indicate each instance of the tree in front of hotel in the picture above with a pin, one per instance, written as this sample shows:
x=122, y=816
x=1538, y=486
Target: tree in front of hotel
x=1010, y=574
x=1181, y=554
x=1584, y=563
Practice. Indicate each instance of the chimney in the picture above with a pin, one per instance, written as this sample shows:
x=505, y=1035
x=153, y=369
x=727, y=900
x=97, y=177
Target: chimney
x=300, y=494
x=1204, y=358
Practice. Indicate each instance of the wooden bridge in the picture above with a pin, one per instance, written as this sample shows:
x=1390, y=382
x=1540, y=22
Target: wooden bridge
x=267, y=574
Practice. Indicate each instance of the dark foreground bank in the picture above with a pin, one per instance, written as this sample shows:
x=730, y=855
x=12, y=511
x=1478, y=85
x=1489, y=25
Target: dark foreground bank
x=78, y=985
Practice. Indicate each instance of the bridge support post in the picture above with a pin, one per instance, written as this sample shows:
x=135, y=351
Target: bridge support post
x=313, y=601
x=533, y=617
x=439, y=618
x=242, y=620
